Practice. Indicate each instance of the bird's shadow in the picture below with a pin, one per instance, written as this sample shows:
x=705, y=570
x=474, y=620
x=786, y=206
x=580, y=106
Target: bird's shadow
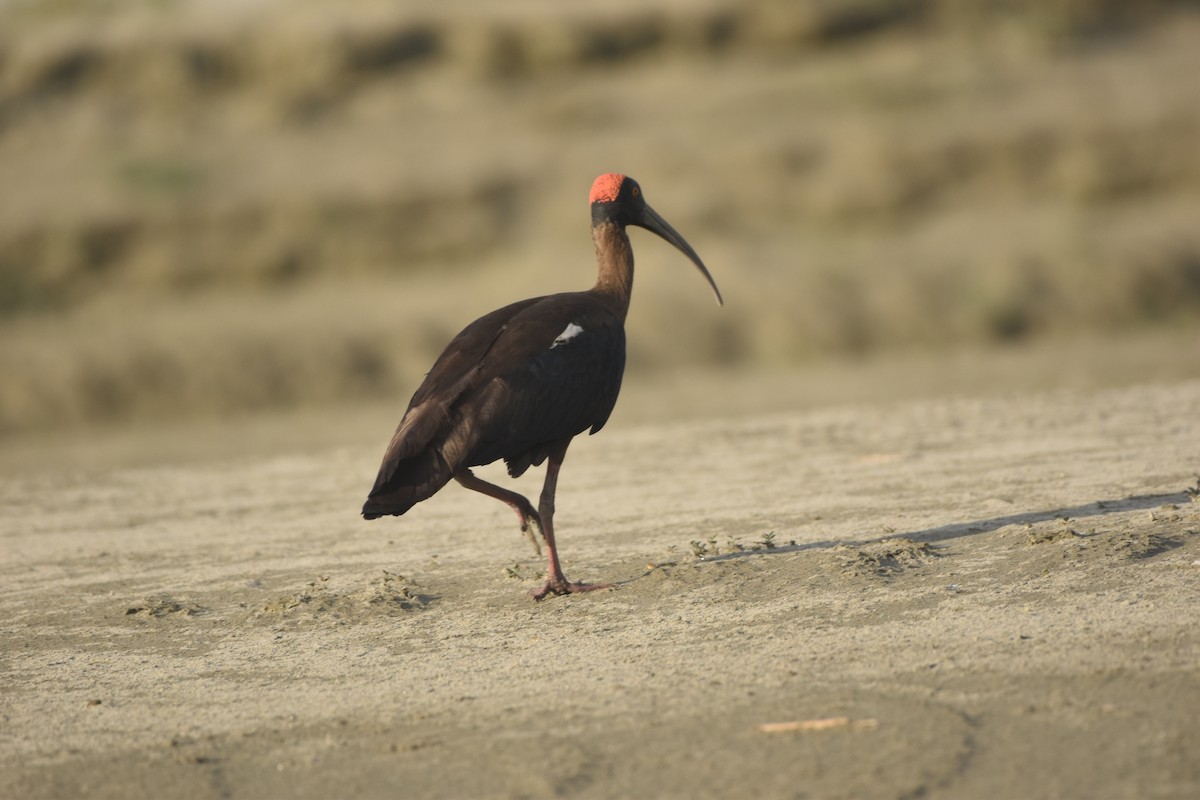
x=958, y=530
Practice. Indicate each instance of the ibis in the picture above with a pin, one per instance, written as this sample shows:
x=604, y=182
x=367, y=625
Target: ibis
x=520, y=383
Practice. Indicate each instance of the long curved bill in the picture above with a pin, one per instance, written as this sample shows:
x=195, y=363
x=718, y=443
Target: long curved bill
x=651, y=221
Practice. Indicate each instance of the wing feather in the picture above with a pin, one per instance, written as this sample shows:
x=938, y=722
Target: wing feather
x=509, y=385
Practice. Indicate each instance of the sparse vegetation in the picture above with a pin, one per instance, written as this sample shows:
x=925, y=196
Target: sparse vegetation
x=709, y=547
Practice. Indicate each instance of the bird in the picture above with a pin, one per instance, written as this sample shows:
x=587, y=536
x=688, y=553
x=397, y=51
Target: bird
x=521, y=382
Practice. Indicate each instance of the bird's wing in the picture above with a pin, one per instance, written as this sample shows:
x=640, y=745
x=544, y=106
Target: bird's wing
x=532, y=372
x=460, y=366
x=555, y=373
x=455, y=372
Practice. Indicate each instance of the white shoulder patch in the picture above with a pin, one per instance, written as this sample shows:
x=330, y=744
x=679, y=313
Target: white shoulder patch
x=570, y=332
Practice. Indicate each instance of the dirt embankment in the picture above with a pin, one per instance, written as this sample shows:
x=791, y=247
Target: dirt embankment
x=210, y=210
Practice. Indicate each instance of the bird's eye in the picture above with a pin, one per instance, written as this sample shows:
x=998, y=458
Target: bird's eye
x=636, y=191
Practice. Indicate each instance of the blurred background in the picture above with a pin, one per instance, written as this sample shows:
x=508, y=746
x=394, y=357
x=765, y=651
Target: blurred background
x=212, y=207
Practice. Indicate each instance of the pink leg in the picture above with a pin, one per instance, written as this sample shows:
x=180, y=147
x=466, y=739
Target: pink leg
x=517, y=502
x=556, y=582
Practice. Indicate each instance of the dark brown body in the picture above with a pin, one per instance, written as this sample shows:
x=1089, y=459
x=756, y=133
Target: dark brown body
x=506, y=387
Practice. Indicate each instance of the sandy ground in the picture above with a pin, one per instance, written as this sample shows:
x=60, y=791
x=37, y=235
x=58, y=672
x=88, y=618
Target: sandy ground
x=997, y=594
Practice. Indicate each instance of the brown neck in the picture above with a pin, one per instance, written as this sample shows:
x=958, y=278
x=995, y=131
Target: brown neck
x=614, y=256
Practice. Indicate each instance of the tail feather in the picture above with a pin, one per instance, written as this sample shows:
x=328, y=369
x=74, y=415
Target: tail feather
x=405, y=483
x=414, y=435
x=414, y=467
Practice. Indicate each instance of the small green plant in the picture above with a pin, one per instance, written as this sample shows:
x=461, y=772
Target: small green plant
x=706, y=548
x=1193, y=492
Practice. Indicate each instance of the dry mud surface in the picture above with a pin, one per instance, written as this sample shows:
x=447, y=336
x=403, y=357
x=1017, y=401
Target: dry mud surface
x=998, y=596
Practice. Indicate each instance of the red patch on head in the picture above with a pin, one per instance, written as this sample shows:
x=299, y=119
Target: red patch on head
x=606, y=188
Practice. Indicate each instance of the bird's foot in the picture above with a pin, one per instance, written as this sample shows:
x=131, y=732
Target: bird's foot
x=563, y=586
